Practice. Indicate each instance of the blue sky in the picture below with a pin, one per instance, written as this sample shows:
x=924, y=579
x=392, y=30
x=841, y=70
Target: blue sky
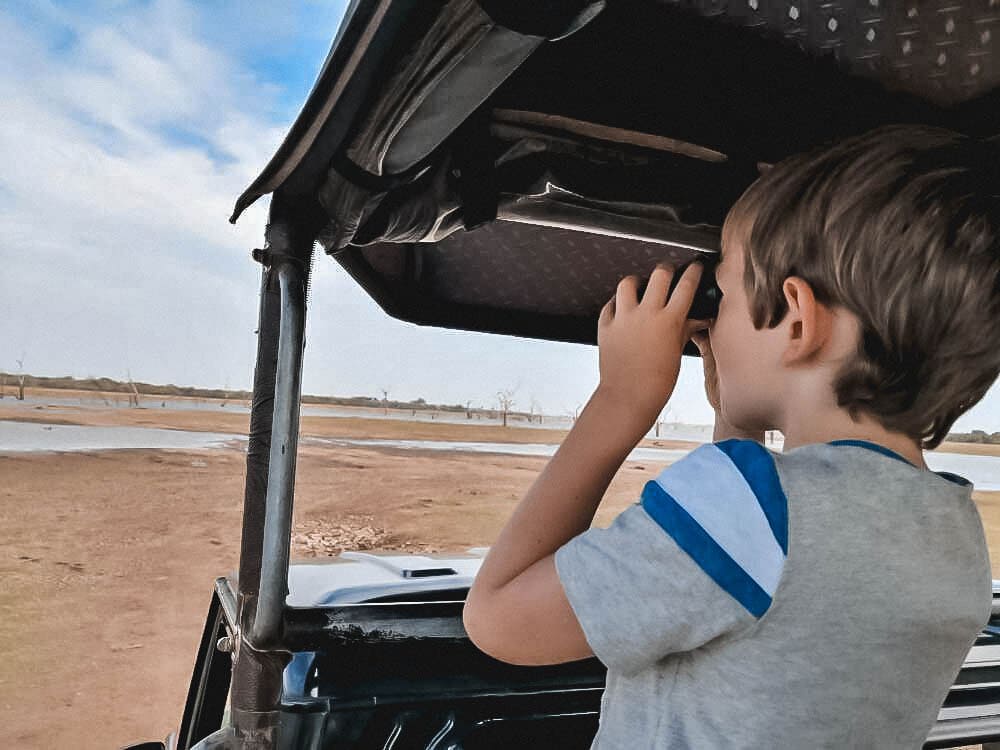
x=128, y=130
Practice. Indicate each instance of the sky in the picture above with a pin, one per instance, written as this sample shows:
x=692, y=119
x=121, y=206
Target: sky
x=128, y=131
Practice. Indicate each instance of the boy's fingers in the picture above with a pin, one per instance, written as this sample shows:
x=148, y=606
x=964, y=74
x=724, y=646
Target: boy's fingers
x=627, y=293
x=683, y=294
x=656, y=288
x=607, y=312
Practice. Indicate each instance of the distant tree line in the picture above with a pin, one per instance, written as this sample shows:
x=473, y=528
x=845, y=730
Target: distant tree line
x=976, y=436
x=132, y=389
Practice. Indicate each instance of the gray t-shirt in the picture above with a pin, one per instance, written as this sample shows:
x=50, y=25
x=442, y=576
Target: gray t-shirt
x=823, y=597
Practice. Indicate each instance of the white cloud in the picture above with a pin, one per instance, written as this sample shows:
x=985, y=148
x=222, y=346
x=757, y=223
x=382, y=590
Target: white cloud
x=118, y=252
x=117, y=248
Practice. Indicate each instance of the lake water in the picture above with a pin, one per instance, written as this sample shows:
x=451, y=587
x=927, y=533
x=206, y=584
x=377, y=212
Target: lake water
x=668, y=430
x=17, y=437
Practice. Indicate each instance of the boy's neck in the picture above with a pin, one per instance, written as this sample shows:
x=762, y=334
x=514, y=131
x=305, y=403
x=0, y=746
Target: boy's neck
x=805, y=429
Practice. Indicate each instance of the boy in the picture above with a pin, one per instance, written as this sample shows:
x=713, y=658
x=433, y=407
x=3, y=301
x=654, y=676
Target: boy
x=825, y=596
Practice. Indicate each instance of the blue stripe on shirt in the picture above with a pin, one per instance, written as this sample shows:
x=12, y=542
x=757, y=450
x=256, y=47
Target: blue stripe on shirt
x=709, y=556
x=756, y=465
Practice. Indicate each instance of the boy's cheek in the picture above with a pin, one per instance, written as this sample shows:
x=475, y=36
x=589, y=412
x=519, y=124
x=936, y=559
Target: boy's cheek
x=731, y=390
x=722, y=383
x=720, y=351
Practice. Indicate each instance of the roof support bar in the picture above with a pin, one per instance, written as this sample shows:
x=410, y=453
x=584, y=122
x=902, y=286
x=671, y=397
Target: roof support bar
x=281, y=465
x=259, y=659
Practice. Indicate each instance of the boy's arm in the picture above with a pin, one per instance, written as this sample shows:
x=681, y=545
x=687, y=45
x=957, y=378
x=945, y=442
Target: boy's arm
x=517, y=590
x=517, y=610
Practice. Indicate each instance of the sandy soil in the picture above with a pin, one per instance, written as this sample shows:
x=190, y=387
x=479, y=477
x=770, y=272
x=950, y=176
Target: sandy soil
x=107, y=561
x=107, y=558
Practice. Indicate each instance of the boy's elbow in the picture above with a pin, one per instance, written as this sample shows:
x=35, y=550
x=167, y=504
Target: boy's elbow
x=481, y=625
x=475, y=623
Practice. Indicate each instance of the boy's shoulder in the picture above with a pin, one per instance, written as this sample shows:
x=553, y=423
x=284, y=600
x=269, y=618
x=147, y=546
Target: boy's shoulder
x=727, y=506
x=703, y=552
x=765, y=469
x=745, y=486
x=737, y=532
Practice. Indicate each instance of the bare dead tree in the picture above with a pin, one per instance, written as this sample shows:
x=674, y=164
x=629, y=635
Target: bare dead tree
x=133, y=396
x=20, y=378
x=505, y=399
x=574, y=413
x=660, y=419
x=536, y=407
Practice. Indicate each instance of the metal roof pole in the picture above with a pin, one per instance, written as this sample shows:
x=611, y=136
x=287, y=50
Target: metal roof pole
x=281, y=461
x=267, y=513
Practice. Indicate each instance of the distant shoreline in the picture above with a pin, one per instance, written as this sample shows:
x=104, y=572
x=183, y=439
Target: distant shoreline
x=109, y=386
x=976, y=442
x=104, y=409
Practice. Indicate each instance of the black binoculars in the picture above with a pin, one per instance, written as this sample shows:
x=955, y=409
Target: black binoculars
x=706, y=297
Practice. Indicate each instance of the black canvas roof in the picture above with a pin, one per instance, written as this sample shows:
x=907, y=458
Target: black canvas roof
x=499, y=166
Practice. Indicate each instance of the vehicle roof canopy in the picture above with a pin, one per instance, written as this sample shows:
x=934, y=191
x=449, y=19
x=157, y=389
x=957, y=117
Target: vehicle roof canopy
x=499, y=166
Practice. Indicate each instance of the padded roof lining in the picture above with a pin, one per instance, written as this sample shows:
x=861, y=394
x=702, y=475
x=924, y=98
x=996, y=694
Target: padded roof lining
x=542, y=269
x=944, y=51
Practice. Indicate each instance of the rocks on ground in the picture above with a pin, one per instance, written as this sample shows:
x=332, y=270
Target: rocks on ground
x=321, y=538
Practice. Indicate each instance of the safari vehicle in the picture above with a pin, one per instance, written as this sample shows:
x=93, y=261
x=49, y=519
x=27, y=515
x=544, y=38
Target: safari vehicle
x=497, y=166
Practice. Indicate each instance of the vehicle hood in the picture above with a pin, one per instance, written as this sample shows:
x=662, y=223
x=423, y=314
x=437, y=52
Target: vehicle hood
x=355, y=577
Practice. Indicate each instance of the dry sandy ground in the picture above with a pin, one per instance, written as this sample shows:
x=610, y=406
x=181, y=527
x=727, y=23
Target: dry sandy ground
x=107, y=558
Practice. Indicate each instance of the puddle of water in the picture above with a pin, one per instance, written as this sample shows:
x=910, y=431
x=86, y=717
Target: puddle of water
x=982, y=471
x=19, y=437
x=513, y=449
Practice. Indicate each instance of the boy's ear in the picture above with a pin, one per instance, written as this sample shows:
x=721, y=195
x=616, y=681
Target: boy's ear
x=809, y=322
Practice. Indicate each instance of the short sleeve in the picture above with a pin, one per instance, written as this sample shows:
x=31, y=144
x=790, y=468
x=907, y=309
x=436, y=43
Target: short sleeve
x=699, y=556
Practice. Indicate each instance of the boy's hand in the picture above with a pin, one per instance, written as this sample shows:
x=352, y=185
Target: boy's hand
x=640, y=341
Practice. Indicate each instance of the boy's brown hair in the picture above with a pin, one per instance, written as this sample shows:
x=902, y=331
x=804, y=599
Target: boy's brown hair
x=900, y=226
